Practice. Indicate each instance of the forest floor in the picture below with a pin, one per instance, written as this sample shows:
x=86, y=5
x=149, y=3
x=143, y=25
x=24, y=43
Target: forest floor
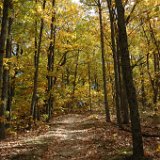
x=75, y=137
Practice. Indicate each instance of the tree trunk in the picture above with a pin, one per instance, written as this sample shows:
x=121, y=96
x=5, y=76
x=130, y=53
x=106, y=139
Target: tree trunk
x=50, y=66
x=103, y=63
x=115, y=58
x=6, y=77
x=124, y=109
x=124, y=102
x=3, y=37
x=37, y=56
x=138, y=152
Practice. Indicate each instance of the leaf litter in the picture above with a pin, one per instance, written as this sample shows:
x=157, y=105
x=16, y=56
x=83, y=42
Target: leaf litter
x=75, y=137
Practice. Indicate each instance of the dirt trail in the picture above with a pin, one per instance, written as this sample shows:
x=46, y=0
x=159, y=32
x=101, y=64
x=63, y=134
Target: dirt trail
x=71, y=137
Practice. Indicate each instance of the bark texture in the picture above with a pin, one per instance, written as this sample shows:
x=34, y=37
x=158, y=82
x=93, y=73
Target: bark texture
x=3, y=38
x=103, y=63
x=138, y=151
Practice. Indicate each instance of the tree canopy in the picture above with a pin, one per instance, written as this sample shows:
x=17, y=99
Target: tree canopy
x=59, y=57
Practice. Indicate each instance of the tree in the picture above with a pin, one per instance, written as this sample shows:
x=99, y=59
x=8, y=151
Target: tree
x=116, y=63
x=37, y=56
x=51, y=57
x=103, y=62
x=3, y=38
x=6, y=76
x=138, y=152
x=98, y=3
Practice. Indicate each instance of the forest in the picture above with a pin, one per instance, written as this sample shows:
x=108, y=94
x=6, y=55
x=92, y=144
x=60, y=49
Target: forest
x=79, y=80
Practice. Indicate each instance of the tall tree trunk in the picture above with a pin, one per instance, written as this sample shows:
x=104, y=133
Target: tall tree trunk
x=103, y=63
x=138, y=152
x=124, y=109
x=115, y=58
x=3, y=37
x=36, y=73
x=6, y=77
x=50, y=66
x=124, y=102
x=122, y=88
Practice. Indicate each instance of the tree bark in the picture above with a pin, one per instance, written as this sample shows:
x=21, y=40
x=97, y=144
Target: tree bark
x=6, y=77
x=138, y=152
x=103, y=63
x=115, y=58
x=3, y=38
x=36, y=73
x=50, y=66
